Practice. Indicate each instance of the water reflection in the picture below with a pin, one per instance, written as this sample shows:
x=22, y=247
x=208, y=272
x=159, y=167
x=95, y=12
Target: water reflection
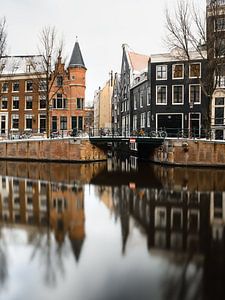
x=164, y=229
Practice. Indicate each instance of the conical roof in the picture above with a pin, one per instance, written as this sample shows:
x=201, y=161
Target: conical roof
x=76, y=59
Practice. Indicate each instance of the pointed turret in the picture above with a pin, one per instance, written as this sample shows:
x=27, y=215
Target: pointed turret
x=76, y=59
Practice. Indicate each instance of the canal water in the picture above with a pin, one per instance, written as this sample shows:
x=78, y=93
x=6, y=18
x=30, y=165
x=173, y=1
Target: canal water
x=116, y=230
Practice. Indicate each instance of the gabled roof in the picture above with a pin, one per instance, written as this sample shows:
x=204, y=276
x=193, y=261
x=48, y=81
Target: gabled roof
x=76, y=59
x=139, y=62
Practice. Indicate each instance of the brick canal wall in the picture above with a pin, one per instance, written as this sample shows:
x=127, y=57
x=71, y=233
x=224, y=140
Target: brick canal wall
x=190, y=153
x=70, y=149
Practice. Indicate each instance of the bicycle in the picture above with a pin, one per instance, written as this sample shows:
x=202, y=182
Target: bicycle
x=158, y=134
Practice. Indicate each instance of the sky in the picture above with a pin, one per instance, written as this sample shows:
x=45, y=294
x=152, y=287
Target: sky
x=102, y=26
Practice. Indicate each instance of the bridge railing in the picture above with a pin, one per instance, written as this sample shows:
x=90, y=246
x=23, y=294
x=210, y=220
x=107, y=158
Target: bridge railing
x=194, y=133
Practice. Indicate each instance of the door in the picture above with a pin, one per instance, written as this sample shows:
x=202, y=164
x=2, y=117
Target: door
x=171, y=123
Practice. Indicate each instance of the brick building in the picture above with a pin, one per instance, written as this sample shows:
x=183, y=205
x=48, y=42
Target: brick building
x=23, y=105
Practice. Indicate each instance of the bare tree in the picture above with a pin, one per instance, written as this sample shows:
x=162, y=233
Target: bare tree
x=48, y=68
x=3, y=37
x=189, y=30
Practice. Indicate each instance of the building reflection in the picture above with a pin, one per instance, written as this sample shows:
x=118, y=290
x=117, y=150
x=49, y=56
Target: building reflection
x=48, y=206
x=185, y=215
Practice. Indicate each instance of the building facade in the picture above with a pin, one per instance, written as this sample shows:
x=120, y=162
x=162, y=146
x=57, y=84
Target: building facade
x=103, y=107
x=177, y=98
x=23, y=105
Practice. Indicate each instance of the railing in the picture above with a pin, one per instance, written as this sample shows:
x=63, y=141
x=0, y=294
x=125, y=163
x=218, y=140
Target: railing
x=120, y=133
x=178, y=133
x=13, y=134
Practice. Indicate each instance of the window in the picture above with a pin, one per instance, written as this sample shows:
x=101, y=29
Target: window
x=28, y=121
x=59, y=102
x=178, y=71
x=42, y=102
x=63, y=123
x=15, y=122
x=29, y=86
x=220, y=23
x=5, y=87
x=28, y=101
x=219, y=111
x=161, y=94
x=160, y=217
x=54, y=123
x=3, y=124
x=195, y=123
x=42, y=85
x=178, y=94
x=161, y=72
x=15, y=102
x=80, y=123
x=42, y=124
x=141, y=99
x=195, y=70
x=59, y=80
x=4, y=103
x=28, y=68
x=74, y=122
x=220, y=48
x=135, y=101
x=134, y=122
x=148, y=95
x=148, y=119
x=80, y=103
x=142, y=120
x=16, y=86
x=194, y=94
x=220, y=78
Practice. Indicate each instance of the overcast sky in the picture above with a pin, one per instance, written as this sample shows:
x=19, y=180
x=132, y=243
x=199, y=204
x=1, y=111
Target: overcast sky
x=102, y=26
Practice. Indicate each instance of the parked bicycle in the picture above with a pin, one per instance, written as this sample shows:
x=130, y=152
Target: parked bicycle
x=158, y=133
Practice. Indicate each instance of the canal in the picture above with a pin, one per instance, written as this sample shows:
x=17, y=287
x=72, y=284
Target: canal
x=115, y=230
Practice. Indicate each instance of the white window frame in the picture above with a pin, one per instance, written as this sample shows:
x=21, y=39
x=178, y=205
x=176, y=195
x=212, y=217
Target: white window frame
x=40, y=99
x=134, y=122
x=135, y=101
x=161, y=66
x=178, y=103
x=26, y=90
x=159, y=114
x=160, y=103
x=141, y=99
x=200, y=92
x=15, y=82
x=143, y=118
x=6, y=99
x=148, y=96
x=26, y=98
x=15, y=98
x=148, y=119
x=7, y=85
x=195, y=63
x=12, y=118
x=25, y=123
x=173, y=67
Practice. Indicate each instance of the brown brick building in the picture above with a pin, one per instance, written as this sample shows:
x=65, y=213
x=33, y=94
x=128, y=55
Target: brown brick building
x=23, y=105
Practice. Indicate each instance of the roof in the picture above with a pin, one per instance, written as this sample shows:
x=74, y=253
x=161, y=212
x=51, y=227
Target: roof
x=139, y=62
x=18, y=65
x=76, y=59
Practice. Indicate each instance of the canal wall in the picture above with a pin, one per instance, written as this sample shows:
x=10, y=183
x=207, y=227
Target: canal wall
x=185, y=152
x=61, y=150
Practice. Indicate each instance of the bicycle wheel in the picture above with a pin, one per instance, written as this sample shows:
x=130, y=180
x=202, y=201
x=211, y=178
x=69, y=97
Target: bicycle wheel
x=163, y=134
x=153, y=134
